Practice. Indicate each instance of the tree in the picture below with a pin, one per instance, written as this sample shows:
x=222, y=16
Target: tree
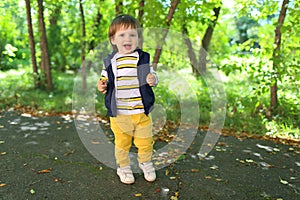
x=54, y=33
x=32, y=44
x=199, y=65
x=119, y=7
x=83, y=29
x=169, y=18
x=276, y=54
x=207, y=38
x=45, y=60
x=95, y=28
x=141, y=12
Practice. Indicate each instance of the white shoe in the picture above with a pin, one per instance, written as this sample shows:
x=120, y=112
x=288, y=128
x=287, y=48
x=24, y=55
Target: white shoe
x=149, y=171
x=126, y=175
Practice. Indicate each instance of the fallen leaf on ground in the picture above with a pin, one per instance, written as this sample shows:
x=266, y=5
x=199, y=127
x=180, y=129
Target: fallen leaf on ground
x=214, y=167
x=194, y=170
x=32, y=191
x=138, y=195
x=284, y=182
x=167, y=172
x=44, y=171
x=3, y=184
x=69, y=152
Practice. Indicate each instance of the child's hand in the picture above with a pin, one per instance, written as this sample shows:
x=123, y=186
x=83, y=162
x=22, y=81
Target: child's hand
x=151, y=79
x=102, y=85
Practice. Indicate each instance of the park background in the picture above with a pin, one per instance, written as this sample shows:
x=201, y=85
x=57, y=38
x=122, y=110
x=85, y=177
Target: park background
x=254, y=45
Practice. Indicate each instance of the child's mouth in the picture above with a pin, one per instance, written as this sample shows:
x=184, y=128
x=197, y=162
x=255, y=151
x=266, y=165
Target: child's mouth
x=127, y=46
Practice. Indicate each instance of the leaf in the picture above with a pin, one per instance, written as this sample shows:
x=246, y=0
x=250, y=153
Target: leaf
x=138, y=194
x=32, y=191
x=284, y=182
x=181, y=157
x=3, y=184
x=69, y=153
x=214, y=167
x=3, y=153
x=56, y=179
x=44, y=171
x=194, y=170
x=167, y=172
x=249, y=161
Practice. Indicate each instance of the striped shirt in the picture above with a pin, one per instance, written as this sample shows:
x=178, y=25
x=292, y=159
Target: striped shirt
x=128, y=97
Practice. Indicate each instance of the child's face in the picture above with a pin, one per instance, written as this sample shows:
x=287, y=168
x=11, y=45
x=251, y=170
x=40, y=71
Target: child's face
x=126, y=40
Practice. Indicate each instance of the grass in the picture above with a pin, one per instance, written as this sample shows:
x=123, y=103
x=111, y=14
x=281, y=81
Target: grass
x=246, y=112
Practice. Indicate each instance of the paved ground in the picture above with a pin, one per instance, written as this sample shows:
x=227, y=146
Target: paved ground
x=44, y=158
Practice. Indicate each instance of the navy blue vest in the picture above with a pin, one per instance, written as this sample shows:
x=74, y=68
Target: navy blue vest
x=143, y=69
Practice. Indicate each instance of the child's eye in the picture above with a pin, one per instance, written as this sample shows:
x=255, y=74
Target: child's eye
x=122, y=35
x=132, y=35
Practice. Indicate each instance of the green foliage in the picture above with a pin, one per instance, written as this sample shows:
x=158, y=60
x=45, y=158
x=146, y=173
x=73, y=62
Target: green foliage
x=241, y=47
x=17, y=90
x=13, y=43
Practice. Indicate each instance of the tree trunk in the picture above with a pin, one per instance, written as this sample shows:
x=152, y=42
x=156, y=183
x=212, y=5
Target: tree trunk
x=276, y=54
x=169, y=18
x=54, y=38
x=32, y=45
x=83, y=46
x=44, y=48
x=206, y=40
x=191, y=52
x=119, y=5
x=199, y=65
x=95, y=28
x=141, y=12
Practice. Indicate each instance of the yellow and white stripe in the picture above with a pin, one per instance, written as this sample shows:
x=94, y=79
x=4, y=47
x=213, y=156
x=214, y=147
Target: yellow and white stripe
x=128, y=95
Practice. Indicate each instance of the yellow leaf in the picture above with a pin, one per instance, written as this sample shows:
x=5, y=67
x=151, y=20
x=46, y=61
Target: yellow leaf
x=3, y=153
x=138, y=195
x=167, y=172
x=2, y=184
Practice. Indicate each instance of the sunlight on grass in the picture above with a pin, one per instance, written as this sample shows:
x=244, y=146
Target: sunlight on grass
x=245, y=111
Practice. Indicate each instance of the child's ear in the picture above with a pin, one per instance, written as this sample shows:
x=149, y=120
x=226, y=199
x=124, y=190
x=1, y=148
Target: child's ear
x=112, y=40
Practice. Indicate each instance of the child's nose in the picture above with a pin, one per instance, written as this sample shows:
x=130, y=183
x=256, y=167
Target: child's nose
x=127, y=37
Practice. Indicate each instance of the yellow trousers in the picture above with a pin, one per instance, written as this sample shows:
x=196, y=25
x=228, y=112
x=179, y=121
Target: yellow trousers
x=128, y=128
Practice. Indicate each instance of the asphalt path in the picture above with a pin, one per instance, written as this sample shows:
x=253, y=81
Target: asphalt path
x=44, y=158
